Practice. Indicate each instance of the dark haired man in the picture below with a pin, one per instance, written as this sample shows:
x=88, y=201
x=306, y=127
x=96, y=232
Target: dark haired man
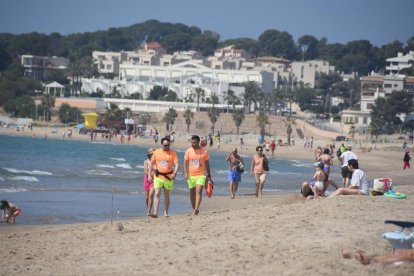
x=196, y=171
x=358, y=184
x=165, y=162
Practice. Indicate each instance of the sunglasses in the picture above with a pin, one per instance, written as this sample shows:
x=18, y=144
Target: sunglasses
x=259, y=150
x=166, y=146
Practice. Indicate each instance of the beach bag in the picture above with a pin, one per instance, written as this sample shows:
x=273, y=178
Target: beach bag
x=209, y=187
x=240, y=167
x=265, y=165
x=382, y=185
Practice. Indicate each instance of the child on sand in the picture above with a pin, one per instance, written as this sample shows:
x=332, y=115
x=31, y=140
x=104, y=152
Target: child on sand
x=9, y=211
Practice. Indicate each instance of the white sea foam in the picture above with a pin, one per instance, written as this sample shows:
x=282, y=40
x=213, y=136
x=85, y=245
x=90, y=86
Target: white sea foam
x=300, y=164
x=118, y=159
x=139, y=166
x=13, y=190
x=124, y=166
x=105, y=166
x=34, y=172
x=98, y=172
x=1, y=178
x=24, y=178
x=222, y=171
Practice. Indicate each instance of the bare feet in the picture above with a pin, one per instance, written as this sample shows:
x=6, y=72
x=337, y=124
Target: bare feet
x=195, y=212
x=166, y=214
x=154, y=215
x=232, y=196
x=345, y=254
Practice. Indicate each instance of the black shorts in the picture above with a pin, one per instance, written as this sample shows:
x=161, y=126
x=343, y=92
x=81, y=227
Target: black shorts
x=346, y=173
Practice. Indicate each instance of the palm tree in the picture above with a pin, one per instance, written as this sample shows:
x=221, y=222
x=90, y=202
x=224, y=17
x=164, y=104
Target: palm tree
x=200, y=93
x=213, y=113
x=188, y=115
x=112, y=112
x=169, y=118
x=127, y=111
x=229, y=98
x=238, y=118
x=262, y=120
x=48, y=103
x=251, y=90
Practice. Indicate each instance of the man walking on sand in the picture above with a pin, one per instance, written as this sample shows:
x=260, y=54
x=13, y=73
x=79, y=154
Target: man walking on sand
x=196, y=171
x=165, y=163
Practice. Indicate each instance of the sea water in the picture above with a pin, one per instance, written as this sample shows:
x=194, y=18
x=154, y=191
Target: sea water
x=67, y=181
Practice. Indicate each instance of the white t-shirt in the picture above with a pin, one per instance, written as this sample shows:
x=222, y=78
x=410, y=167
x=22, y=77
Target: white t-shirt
x=346, y=156
x=360, y=180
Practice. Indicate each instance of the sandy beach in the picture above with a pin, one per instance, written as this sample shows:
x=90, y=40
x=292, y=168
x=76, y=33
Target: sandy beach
x=276, y=235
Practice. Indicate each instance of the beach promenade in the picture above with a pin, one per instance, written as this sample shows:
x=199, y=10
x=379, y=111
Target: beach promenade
x=275, y=235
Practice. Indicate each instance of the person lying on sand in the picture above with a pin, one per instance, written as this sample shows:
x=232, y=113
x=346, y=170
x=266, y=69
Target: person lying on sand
x=400, y=255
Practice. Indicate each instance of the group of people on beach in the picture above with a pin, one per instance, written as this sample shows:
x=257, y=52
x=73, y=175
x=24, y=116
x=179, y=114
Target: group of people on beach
x=162, y=165
x=354, y=180
x=161, y=169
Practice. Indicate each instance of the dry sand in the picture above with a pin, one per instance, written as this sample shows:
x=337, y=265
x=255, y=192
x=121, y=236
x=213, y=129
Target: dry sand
x=275, y=235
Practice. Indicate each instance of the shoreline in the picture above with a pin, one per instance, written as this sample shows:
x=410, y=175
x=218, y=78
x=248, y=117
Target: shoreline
x=279, y=234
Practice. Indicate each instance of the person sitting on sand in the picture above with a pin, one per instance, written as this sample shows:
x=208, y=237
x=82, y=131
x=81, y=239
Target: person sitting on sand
x=400, y=255
x=148, y=185
x=316, y=186
x=327, y=161
x=8, y=211
x=359, y=181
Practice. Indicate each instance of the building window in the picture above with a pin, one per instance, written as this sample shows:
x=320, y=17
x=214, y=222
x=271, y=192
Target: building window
x=365, y=120
x=370, y=105
x=108, y=67
x=387, y=85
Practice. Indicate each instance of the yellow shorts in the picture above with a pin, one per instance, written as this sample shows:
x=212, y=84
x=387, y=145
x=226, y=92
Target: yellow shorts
x=196, y=180
x=163, y=183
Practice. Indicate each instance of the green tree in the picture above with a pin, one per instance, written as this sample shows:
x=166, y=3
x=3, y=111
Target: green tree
x=280, y=44
x=309, y=47
x=188, y=116
x=23, y=107
x=144, y=119
x=67, y=113
x=169, y=118
x=206, y=43
x=238, y=118
x=200, y=93
x=112, y=112
x=262, y=120
x=251, y=91
x=213, y=113
x=48, y=104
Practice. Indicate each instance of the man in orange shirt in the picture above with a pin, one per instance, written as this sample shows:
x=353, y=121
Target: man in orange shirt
x=165, y=162
x=196, y=171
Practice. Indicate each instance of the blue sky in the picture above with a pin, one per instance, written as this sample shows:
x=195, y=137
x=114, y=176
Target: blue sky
x=380, y=22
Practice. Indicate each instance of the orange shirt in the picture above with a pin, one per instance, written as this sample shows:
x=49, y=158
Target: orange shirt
x=164, y=160
x=197, y=161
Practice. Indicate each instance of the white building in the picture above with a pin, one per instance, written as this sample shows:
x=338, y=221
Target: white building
x=396, y=64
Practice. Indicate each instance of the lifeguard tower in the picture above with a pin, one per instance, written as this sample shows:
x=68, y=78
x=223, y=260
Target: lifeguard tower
x=90, y=120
